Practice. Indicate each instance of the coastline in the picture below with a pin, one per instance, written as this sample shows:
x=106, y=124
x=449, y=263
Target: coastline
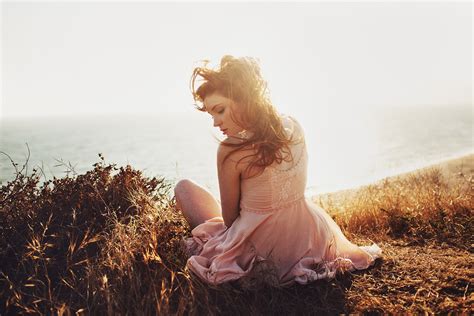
x=452, y=170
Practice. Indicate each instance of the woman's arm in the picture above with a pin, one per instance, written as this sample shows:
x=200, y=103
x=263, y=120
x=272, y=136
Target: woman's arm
x=229, y=185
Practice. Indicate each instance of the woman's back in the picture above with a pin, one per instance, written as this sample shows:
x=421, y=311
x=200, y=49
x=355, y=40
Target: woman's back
x=278, y=184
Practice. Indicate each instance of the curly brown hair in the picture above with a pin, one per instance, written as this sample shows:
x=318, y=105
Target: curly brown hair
x=240, y=80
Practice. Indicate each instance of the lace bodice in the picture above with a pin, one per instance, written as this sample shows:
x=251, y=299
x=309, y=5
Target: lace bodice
x=279, y=184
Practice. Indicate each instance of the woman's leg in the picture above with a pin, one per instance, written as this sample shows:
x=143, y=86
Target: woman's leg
x=196, y=203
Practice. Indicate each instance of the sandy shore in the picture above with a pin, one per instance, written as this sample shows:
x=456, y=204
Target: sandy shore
x=454, y=168
x=452, y=171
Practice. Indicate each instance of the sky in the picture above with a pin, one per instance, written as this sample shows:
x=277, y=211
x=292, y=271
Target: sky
x=81, y=58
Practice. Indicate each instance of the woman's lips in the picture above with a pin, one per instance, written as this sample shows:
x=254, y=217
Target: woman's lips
x=224, y=131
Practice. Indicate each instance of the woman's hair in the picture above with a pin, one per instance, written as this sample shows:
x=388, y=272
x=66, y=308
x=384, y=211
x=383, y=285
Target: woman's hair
x=239, y=79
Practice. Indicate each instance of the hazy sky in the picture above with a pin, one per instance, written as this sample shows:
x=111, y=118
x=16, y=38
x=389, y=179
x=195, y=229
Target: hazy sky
x=62, y=58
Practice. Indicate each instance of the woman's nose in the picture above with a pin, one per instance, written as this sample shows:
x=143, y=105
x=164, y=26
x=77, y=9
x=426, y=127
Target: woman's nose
x=216, y=122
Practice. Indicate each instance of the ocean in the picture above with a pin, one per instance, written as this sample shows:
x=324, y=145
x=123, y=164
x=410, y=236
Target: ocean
x=345, y=149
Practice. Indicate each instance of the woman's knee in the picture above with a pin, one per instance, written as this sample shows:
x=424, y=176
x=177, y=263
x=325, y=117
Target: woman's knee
x=183, y=186
x=188, y=191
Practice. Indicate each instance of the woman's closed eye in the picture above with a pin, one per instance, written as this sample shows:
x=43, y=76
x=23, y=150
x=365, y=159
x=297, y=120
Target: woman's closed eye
x=218, y=112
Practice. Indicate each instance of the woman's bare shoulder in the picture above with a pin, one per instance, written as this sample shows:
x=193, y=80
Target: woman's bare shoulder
x=240, y=158
x=226, y=147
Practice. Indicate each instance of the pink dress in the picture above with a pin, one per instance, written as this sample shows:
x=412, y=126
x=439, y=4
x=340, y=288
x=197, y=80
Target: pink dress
x=277, y=225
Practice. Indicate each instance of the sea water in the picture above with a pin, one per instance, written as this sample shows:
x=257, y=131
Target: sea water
x=345, y=149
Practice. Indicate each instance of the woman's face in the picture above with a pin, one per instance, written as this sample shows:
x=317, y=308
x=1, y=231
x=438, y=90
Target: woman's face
x=220, y=108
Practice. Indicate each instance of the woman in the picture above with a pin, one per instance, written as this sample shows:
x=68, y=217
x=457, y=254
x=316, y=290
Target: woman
x=262, y=215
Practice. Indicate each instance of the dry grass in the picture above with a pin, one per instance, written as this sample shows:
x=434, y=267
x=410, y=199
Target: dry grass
x=108, y=242
x=420, y=207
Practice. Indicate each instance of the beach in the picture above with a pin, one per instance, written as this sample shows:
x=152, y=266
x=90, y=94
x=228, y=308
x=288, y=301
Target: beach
x=453, y=171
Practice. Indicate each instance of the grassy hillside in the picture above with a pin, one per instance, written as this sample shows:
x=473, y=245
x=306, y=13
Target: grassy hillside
x=108, y=242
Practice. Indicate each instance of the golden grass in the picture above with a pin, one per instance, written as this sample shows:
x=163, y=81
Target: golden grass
x=419, y=206
x=108, y=242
